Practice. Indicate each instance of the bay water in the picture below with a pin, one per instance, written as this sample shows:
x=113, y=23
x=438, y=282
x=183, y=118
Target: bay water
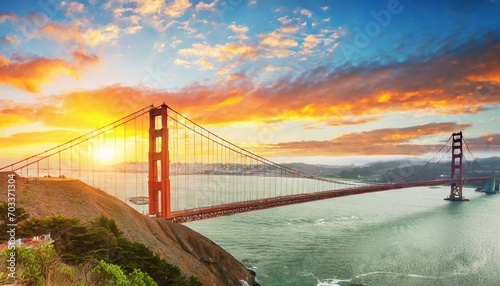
x=399, y=237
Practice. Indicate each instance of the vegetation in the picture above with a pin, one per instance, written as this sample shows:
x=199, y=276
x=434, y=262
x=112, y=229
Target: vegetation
x=20, y=215
x=92, y=254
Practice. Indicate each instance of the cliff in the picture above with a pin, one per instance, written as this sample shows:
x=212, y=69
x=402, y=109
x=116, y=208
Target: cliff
x=193, y=253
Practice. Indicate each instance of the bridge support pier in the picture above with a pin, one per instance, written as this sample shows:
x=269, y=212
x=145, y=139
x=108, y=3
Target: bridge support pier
x=456, y=168
x=158, y=161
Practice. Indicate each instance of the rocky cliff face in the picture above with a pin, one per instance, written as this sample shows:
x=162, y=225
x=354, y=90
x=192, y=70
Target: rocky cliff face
x=193, y=253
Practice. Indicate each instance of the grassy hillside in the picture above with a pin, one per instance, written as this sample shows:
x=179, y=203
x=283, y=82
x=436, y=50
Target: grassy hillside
x=191, y=252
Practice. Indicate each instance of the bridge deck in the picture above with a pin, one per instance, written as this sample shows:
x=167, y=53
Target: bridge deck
x=228, y=209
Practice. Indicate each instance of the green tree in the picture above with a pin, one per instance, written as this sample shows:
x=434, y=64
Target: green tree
x=20, y=216
x=139, y=278
x=109, y=274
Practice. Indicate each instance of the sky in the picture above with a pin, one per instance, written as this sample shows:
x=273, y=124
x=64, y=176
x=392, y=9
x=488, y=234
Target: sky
x=325, y=82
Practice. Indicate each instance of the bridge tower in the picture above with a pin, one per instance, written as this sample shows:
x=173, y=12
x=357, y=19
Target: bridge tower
x=456, y=167
x=159, y=172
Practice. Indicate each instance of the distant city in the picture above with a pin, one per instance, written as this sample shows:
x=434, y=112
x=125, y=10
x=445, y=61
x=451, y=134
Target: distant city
x=178, y=168
x=378, y=171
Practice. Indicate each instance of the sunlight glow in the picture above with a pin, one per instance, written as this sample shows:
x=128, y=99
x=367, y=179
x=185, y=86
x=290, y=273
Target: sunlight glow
x=105, y=155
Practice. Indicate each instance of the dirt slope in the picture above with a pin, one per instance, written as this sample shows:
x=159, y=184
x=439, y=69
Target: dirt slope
x=193, y=253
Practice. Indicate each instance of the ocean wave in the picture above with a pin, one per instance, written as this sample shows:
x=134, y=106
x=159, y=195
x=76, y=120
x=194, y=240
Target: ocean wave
x=347, y=218
x=320, y=221
x=396, y=274
x=332, y=282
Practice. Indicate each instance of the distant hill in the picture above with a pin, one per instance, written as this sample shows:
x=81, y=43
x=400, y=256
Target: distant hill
x=493, y=163
x=316, y=170
x=377, y=169
x=193, y=253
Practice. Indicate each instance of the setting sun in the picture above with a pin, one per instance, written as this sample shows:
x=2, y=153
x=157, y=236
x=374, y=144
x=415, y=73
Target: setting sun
x=105, y=155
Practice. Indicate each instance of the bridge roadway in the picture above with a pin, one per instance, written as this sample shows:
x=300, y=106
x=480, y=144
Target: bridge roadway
x=247, y=206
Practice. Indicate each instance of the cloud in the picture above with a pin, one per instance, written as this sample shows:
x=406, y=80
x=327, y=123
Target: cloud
x=205, y=64
x=222, y=53
x=63, y=32
x=279, y=43
x=147, y=7
x=310, y=42
x=13, y=113
x=387, y=141
x=71, y=8
x=484, y=142
x=240, y=31
x=158, y=14
x=206, y=6
x=108, y=34
x=285, y=20
x=306, y=13
x=74, y=35
x=38, y=137
x=352, y=121
x=160, y=47
x=7, y=17
x=9, y=39
x=82, y=59
x=27, y=26
x=177, y=8
x=29, y=74
x=175, y=43
x=183, y=63
x=276, y=44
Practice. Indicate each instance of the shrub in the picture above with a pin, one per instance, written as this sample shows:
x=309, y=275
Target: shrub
x=37, y=263
x=109, y=274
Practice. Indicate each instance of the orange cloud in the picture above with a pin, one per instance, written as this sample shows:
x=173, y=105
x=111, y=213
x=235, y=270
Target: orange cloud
x=83, y=60
x=62, y=32
x=387, y=141
x=351, y=121
x=30, y=74
x=29, y=138
x=485, y=141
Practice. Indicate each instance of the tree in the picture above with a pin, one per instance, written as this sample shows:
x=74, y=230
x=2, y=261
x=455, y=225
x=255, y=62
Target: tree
x=20, y=216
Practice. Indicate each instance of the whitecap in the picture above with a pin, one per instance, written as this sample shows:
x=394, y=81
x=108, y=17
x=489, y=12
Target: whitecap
x=347, y=217
x=332, y=282
x=319, y=221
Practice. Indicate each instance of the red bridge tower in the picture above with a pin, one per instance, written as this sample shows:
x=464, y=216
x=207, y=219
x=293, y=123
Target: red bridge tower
x=159, y=169
x=456, y=168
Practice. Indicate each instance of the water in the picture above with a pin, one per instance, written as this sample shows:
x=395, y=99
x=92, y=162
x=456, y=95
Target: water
x=400, y=237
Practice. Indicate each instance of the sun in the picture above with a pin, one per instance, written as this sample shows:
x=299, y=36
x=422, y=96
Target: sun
x=105, y=155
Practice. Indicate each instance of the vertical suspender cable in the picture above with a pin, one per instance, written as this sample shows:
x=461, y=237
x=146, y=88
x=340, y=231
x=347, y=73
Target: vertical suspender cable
x=125, y=159
x=136, y=161
x=115, y=156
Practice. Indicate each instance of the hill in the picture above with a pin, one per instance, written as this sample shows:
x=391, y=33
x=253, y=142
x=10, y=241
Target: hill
x=379, y=170
x=193, y=253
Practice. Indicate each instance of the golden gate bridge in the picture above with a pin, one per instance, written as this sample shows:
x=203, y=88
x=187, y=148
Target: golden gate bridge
x=163, y=164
